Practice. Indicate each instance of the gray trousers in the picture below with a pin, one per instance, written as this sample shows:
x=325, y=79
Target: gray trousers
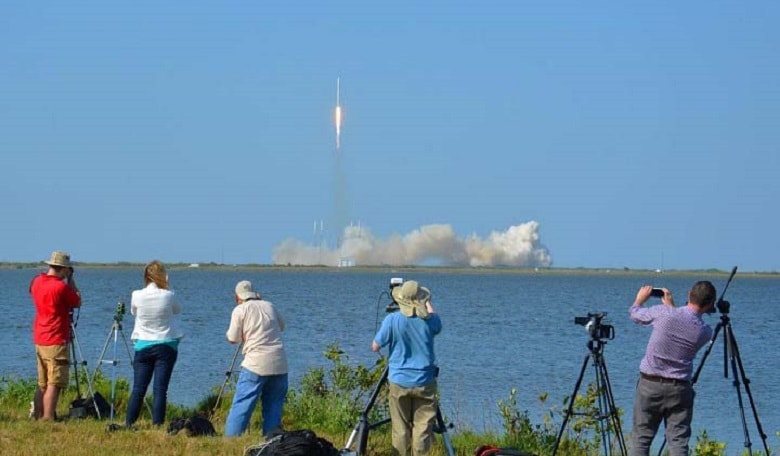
x=656, y=402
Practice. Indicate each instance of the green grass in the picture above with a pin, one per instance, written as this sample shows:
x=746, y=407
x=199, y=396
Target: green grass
x=328, y=401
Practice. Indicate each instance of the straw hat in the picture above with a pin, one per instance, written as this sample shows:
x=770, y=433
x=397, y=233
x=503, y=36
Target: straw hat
x=411, y=299
x=59, y=258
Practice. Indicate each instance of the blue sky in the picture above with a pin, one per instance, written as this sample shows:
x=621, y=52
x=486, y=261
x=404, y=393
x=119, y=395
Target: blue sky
x=627, y=134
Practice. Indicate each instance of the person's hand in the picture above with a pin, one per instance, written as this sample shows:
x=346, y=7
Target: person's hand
x=667, y=297
x=643, y=295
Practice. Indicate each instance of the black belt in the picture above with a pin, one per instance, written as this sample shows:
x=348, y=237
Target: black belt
x=657, y=379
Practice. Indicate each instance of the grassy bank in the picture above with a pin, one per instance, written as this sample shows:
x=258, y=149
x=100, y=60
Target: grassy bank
x=327, y=401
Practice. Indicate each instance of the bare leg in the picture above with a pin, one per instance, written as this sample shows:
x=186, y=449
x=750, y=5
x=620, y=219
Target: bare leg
x=50, y=398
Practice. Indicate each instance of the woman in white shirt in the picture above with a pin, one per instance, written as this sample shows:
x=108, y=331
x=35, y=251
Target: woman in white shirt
x=156, y=342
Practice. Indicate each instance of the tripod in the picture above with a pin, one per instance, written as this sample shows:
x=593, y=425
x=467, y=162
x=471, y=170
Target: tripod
x=76, y=360
x=607, y=414
x=364, y=425
x=113, y=335
x=731, y=357
x=228, y=375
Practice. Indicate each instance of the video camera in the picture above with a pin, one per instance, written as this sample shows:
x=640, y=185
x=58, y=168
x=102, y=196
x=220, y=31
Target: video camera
x=393, y=306
x=595, y=328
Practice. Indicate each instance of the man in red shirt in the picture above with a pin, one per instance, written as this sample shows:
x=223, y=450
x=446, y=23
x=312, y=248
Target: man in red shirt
x=55, y=295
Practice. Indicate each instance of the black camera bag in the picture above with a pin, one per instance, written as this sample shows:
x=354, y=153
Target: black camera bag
x=84, y=407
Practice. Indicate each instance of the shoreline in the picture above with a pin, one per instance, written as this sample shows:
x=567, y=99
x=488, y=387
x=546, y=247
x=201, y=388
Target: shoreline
x=624, y=271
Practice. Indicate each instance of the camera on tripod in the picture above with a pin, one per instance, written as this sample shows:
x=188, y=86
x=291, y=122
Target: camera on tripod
x=120, y=311
x=393, y=306
x=595, y=327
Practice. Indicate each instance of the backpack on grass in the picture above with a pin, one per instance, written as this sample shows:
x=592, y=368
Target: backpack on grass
x=490, y=450
x=193, y=426
x=302, y=442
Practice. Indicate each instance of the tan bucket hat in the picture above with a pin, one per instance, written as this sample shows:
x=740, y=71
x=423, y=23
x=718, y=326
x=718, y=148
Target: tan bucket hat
x=411, y=299
x=59, y=258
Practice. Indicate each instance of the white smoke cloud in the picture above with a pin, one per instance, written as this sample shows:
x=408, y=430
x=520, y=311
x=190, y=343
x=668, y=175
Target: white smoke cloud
x=517, y=246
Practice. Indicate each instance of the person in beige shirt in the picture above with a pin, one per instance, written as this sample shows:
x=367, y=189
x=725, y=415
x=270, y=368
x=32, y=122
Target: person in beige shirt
x=257, y=325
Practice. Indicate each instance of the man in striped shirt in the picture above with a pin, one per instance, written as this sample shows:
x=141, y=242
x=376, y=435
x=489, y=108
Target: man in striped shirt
x=664, y=391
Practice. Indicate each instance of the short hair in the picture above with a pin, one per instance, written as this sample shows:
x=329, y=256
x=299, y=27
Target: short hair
x=702, y=293
x=155, y=272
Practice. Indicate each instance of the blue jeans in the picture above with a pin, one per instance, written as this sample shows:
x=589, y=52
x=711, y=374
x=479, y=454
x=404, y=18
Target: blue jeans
x=272, y=389
x=157, y=360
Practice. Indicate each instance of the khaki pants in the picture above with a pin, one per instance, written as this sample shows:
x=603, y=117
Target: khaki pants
x=413, y=414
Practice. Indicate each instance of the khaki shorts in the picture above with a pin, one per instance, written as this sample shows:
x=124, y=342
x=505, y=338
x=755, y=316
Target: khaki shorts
x=53, y=364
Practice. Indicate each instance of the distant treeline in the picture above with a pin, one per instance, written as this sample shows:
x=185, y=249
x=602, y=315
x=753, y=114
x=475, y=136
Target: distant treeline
x=401, y=269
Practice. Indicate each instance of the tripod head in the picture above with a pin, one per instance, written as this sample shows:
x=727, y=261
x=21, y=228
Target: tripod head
x=722, y=305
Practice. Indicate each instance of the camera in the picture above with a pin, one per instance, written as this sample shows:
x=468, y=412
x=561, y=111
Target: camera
x=595, y=327
x=657, y=293
x=120, y=311
x=393, y=306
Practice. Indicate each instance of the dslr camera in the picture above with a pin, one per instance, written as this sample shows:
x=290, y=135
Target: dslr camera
x=595, y=327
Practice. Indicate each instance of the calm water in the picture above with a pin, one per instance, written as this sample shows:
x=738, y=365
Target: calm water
x=501, y=331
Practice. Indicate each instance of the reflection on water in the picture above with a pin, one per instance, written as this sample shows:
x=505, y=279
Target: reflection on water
x=501, y=331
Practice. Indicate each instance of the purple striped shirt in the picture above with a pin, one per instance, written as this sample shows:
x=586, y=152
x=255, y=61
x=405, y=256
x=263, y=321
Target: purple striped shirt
x=678, y=334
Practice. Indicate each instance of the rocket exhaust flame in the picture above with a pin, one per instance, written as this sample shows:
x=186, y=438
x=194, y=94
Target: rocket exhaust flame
x=337, y=114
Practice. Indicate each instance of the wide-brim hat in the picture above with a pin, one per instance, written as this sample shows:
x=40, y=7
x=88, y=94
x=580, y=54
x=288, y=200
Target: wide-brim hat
x=59, y=258
x=411, y=299
x=245, y=291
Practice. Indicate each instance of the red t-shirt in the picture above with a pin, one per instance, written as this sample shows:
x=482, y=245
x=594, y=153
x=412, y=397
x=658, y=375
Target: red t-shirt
x=53, y=301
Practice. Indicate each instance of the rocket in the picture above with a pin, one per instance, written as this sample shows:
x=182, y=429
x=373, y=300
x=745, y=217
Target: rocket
x=337, y=113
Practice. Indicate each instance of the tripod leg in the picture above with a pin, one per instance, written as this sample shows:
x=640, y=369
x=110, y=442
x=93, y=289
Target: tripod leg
x=609, y=404
x=364, y=425
x=746, y=382
x=441, y=428
x=736, y=363
x=571, y=404
x=228, y=375
x=102, y=354
x=76, y=346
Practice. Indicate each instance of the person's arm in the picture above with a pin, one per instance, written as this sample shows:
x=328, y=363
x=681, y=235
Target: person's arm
x=642, y=295
x=280, y=319
x=636, y=312
x=234, y=333
x=375, y=346
x=72, y=284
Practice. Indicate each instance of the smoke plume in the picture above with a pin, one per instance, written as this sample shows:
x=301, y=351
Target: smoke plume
x=517, y=246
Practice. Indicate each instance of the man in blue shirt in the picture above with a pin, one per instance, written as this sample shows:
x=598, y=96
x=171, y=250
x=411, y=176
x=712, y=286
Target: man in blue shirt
x=412, y=367
x=664, y=391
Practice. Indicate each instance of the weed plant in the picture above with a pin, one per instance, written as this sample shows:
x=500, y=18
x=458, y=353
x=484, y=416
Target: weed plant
x=328, y=401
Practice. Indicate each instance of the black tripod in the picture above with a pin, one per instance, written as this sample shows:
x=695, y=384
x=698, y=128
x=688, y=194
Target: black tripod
x=228, y=375
x=731, y=357
x=76, y=360
x=364, y=424
x=607, y=414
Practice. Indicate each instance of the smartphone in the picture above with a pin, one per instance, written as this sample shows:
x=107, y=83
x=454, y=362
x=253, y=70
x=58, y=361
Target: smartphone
x=657, y=293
